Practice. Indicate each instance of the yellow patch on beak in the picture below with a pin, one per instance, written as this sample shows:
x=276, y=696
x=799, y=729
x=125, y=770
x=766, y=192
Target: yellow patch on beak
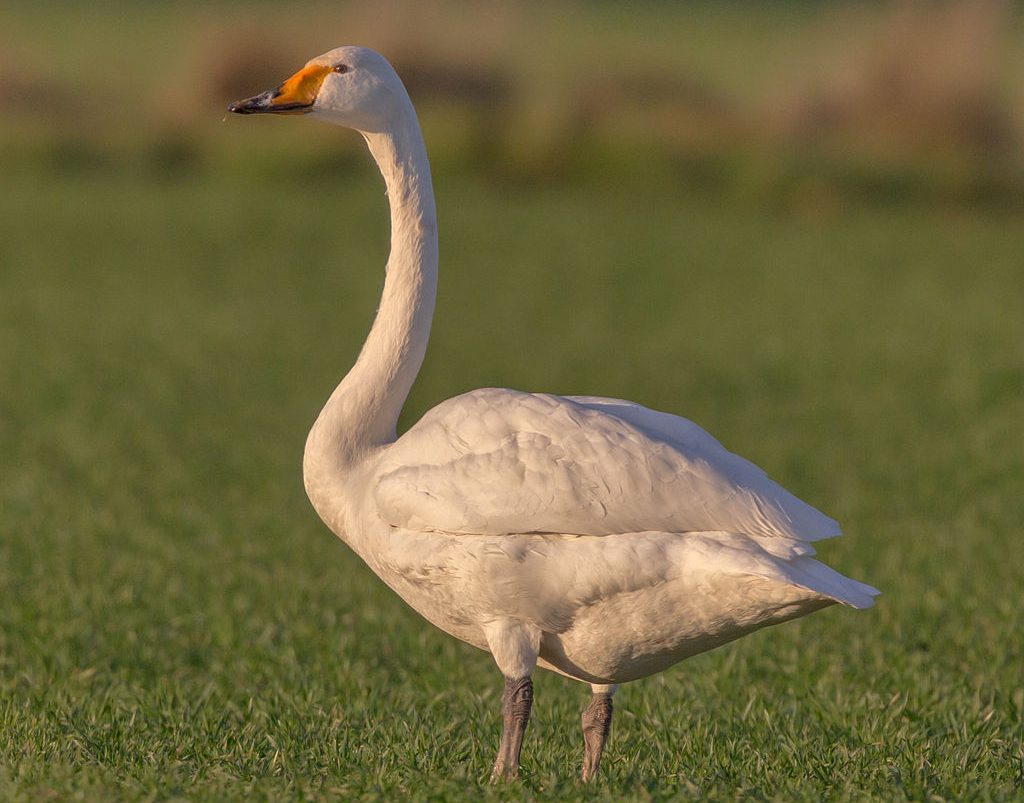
x=299, y=91
x=294, y=96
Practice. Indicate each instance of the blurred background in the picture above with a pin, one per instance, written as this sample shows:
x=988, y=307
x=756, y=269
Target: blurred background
x=799, y=105
x=800, y=224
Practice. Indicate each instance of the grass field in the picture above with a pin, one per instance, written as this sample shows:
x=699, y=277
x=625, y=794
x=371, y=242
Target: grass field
x=176, y=623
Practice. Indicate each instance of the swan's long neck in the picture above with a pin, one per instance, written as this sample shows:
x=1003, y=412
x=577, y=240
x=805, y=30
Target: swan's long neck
x=363, y=411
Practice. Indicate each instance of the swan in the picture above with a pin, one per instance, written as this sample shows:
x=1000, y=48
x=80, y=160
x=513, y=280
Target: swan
x=589, y=536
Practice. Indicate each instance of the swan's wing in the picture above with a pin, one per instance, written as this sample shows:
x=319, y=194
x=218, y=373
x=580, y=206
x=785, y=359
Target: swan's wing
x=501, y=461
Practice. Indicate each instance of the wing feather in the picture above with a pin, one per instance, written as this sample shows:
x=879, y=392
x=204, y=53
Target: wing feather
x=496, y=462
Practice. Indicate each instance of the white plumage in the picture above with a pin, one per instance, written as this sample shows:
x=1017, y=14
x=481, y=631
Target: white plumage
x=593, y=536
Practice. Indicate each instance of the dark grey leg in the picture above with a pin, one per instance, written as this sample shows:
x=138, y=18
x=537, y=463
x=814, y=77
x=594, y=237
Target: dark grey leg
x=597, y=721
x=515, y=711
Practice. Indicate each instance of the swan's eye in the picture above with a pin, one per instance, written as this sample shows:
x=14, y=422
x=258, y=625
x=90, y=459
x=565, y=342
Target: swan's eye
x=340, y=68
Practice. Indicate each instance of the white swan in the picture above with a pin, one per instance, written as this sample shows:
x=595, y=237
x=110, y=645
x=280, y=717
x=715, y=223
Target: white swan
x=590, y=536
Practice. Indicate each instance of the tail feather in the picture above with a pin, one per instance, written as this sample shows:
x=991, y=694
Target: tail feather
x=816, y=576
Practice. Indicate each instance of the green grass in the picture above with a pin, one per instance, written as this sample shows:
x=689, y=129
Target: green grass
x=177, y=623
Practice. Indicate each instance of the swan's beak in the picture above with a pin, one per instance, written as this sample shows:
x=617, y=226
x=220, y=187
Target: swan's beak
x=294, y=96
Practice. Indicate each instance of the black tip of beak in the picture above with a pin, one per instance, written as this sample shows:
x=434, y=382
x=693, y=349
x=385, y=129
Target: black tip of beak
x=253, y=105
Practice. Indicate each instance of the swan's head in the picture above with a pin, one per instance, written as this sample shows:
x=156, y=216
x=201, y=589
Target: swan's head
x=351, y=86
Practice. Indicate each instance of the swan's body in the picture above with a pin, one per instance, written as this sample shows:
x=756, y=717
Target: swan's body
x=631, y=539
x=596, y=537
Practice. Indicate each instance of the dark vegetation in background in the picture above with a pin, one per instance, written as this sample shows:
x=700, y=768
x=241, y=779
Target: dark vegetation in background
x=922, y=109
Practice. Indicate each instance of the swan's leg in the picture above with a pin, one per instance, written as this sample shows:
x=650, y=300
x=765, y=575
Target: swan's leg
x=514, y=646
x=516, y=703
x=597, y=721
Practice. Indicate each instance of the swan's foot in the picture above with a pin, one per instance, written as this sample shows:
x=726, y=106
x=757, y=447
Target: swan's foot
x=597, y=721
x=516, y=703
